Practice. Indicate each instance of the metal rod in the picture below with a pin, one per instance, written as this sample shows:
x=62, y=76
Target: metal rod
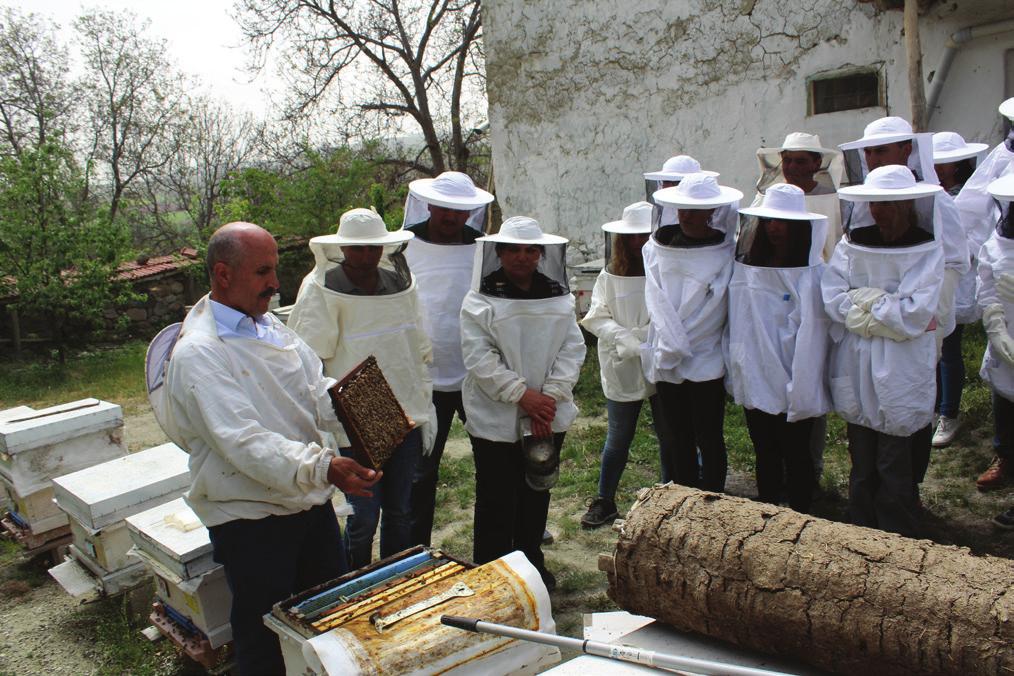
x=622, y=653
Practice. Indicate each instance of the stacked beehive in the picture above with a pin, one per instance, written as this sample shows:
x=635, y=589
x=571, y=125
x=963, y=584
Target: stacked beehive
x=193, y=602
x=38, y=445
x=97, y=500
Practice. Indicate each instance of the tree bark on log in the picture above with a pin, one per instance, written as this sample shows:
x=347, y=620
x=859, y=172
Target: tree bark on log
x=840, y=597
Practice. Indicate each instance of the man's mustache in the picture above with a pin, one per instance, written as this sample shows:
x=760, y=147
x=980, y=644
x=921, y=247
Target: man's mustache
x=267, y=293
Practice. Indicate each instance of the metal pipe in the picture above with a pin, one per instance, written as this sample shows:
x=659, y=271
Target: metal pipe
x=622, y=653
x=955, y=42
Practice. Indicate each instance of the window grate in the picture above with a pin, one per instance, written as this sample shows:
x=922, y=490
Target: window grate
x=845, y=92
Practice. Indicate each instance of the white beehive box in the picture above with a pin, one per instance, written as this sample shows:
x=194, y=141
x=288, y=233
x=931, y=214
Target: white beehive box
x=49, y=442
x=83, y=578
x=172, y=535
x=105, y=494
x=176, y=548
x=38, y=510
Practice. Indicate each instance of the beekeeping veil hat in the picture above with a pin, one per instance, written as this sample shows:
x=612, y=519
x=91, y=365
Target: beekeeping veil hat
x=450, y=190
x=636, y=220
x=549, y=277
x=889, y=183
x=882, y=132
x=787, y=203
x=949, y=146
x=699, y=191
x=673, y=170
x=1002, y=190
x=1007, y=109
x=363, y=227
x=770, y=159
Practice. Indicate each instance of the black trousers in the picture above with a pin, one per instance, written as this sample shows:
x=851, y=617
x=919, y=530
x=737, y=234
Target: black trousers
x=427, y=471
x=882, y=488
x=782, y=449
x=695, y=415
x=266, y=561
x=509, y=514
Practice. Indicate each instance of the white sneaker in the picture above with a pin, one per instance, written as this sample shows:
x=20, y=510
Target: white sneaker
x=946, y=430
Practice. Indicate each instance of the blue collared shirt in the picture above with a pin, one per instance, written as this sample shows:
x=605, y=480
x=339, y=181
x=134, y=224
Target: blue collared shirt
x=232, y=323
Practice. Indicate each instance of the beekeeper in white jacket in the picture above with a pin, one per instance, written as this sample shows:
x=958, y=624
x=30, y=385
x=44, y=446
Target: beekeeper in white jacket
x=996, y=298
x=618, y=317
x=687, y=268
x=359, y=300
x=974, y=203
x=777, y=339
x=523, y=352
x=881, y=291
x=446, y=214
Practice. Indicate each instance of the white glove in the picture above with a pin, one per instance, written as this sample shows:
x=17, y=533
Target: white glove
x=1005, y=286
x=628, y=346
x=641, y=333
x=863, y=323
x=995, y=323
x=866, y=296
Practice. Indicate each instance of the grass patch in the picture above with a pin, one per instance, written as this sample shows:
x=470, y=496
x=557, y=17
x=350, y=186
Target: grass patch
x=113, y=374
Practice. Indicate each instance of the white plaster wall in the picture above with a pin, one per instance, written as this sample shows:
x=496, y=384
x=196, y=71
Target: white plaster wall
x=585, y=96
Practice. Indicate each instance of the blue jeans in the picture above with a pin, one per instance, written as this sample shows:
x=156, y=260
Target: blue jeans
x=266, y=561
x=393, y=494
x=950, y=374
x=623, y=417
x=1003, y=427
x=427, y=472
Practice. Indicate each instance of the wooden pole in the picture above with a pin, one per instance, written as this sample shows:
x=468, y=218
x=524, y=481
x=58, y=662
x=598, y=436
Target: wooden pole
x=12, y=310
x=916, y=93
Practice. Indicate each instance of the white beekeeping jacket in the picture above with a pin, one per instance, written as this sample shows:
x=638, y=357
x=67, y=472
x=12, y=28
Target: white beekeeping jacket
x=777, y=334
x=510, y=344
x=443, y=275
x=882, y=383
x=975, y=205
x=995, y=258
x=686, y=295
x=255, y=418
x=617, y=310
x=344, y=329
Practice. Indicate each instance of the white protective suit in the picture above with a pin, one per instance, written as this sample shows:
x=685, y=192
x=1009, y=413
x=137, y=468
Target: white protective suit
x=974, y=203
x=345, y=329
x=952, y=233
x=885, y=384
x=618, y=317
x=777, y=336
x=510, y=345
x=255, y=419
x=995, y=258
x=685, y=293
x=443, y=274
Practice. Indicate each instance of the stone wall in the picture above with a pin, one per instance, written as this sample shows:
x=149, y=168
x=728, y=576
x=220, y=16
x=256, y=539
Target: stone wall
x=584, y=97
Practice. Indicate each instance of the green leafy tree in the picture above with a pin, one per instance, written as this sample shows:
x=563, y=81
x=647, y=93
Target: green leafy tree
x=56, y=253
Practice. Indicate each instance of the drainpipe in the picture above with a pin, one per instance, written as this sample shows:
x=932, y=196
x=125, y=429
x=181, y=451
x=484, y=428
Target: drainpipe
x=954, y=43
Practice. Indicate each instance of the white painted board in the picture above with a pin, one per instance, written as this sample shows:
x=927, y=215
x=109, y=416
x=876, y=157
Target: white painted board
x=186, y=551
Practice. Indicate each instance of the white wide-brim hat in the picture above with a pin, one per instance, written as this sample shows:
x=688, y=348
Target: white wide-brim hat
x=1007, y=109
x=451, y=190
x=677, y=168
x=799, y=141
x=1002, y=188
x=697, y=191
x=522, y=230
x=636, y=220
x=881, y=132
x=949, y=146
x=888, y=183
x=785, y=202
x=363, y=227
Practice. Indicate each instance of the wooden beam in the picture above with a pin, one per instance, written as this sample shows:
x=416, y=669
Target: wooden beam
x=913, y=49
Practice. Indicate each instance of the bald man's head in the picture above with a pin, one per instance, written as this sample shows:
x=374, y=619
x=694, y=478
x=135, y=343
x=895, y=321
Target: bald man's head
x=242, y=263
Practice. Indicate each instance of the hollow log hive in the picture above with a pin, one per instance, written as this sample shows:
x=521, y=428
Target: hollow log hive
x=841, y=597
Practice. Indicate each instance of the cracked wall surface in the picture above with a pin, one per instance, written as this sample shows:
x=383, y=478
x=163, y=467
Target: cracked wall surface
x=841, y=597
x=584, y=97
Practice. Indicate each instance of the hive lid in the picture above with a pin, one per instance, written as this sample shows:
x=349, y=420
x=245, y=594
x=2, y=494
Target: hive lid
x=16, y=412
x=173, y=535
x=48, y=426
x=107, y=493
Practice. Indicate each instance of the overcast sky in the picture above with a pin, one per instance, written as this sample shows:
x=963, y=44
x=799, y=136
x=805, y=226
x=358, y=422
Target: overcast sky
x=202, y=38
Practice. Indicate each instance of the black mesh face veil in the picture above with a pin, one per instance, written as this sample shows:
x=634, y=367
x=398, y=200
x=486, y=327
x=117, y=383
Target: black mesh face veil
x=889, y=224
x=523, y=271
x=623, y=254
x=775, y=243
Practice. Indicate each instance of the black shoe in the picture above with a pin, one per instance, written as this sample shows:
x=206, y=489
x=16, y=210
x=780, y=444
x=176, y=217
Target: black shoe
x=1005, y=520
x=600, y=512
x=549, y=580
